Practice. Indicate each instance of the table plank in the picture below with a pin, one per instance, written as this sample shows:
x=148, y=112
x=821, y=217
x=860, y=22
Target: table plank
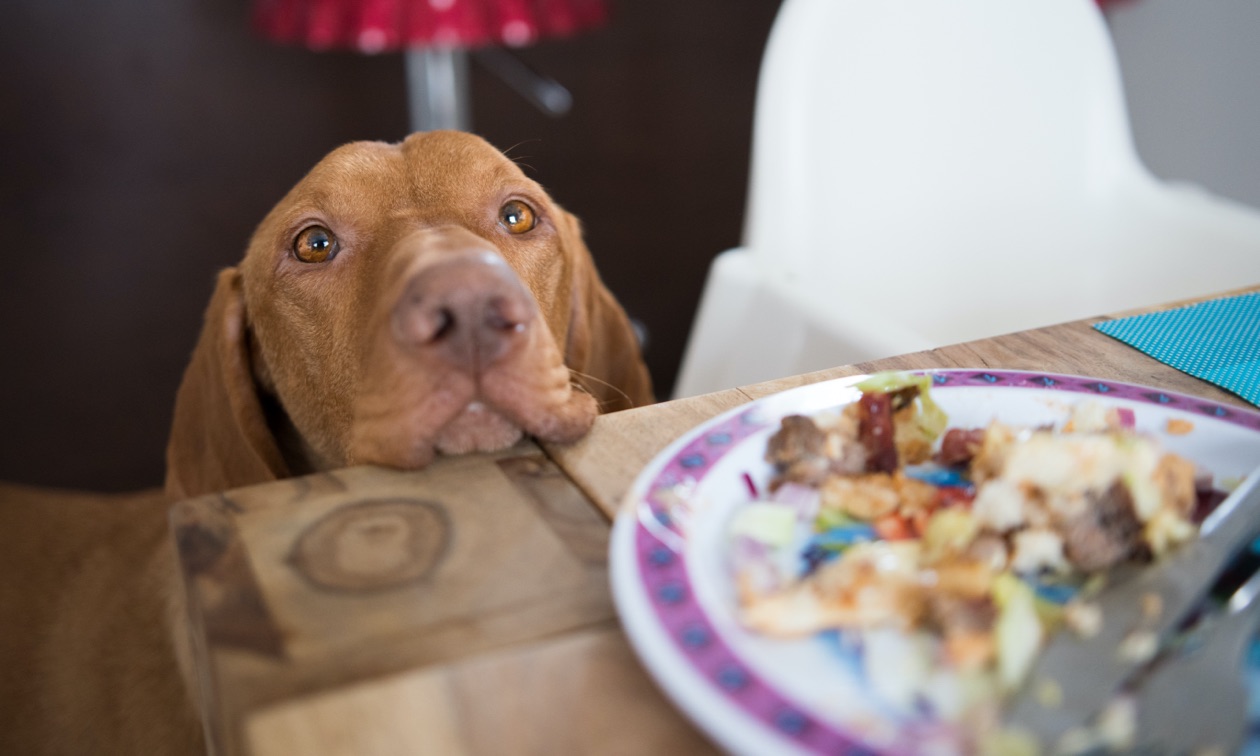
x=1071, y=348
x=606, y=461
x=580, y=693
x=315, y=583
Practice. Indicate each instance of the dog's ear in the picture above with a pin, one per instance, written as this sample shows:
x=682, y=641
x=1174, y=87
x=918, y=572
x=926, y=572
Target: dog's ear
x=601, y=347
x=219, y=435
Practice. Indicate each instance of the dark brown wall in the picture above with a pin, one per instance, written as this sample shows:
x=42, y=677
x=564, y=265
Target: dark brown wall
x=141, y=142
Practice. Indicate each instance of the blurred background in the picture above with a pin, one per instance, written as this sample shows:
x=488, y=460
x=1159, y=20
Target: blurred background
x=141, y=142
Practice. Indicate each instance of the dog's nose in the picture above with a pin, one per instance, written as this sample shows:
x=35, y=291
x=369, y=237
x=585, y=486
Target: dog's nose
x=469, y=311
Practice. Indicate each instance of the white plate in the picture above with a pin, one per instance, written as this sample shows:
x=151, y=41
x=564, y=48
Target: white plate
x=755, y=695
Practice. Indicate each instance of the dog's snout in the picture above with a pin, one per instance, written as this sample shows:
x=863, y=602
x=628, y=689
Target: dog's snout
x=469, y=311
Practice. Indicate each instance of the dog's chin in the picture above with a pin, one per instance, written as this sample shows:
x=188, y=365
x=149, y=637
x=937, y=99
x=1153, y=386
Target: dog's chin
x=477, y=428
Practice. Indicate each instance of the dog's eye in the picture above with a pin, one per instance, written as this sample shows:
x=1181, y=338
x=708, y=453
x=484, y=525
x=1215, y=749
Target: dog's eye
x=517, y=217
x=315, y=245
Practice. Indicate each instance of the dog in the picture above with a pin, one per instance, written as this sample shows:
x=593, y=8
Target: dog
x=403, y=301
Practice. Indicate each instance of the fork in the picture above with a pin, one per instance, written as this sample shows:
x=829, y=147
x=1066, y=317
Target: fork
x=1196, y=702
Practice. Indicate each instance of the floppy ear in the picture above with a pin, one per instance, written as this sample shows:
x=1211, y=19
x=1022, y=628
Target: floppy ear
x=219, y=436
x=602, y=348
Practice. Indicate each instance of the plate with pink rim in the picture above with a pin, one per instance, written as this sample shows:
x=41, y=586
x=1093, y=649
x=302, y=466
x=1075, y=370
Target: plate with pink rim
x=753, y=694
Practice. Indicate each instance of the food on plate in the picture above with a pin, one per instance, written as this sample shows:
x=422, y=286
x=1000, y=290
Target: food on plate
x=947, y=555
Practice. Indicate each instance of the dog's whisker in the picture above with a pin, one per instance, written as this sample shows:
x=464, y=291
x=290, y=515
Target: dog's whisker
x=518, y=144
x=576, y=376
x=515, y=159
x=520, y=160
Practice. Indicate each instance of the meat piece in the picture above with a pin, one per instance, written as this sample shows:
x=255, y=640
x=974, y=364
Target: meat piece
x=1105, y=533
x=798, y=436
x=959, y=445
x=875, y=431
x=798, y=451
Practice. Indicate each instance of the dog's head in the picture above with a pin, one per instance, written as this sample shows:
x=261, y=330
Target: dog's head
x=401, y=301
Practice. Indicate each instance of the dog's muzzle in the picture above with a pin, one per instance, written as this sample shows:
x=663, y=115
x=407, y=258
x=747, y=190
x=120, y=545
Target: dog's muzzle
x=469, y=310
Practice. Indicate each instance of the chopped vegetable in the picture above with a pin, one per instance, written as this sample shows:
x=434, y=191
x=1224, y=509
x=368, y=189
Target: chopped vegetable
x=771, y=524
x=1018, y=631
x=948, y=533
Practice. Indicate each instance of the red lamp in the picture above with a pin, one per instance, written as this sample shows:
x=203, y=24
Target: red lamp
x=435, y=36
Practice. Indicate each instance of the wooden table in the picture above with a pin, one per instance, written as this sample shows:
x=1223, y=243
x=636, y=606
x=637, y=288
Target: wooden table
x=465, y=608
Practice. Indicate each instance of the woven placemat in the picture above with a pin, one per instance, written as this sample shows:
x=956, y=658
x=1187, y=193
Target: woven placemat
x=1218, y=341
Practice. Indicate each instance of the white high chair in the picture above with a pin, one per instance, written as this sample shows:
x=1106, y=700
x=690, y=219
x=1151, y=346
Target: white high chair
x=928, y=172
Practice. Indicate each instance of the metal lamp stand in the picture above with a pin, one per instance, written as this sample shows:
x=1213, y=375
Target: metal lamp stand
x=437, y=85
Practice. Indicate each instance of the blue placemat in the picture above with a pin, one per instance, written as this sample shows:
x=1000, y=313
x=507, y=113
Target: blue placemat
x=1218, y=341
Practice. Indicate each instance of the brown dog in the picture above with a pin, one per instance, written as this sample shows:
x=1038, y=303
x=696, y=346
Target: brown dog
x=402, y=301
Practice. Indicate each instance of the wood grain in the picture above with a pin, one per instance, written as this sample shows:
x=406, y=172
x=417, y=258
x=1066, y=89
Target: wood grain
x=581, y=693
x=373, y=545
x=606, y=461
x=336, y=573
x=1072, y=348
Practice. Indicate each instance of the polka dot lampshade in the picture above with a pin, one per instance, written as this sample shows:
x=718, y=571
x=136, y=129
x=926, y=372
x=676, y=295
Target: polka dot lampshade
x=373, y=26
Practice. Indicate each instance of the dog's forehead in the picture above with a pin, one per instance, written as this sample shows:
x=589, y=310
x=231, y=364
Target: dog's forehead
x=437, y=165
x=446, y=154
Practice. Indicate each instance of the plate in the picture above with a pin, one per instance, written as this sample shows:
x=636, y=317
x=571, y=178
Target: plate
x=755, y=695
